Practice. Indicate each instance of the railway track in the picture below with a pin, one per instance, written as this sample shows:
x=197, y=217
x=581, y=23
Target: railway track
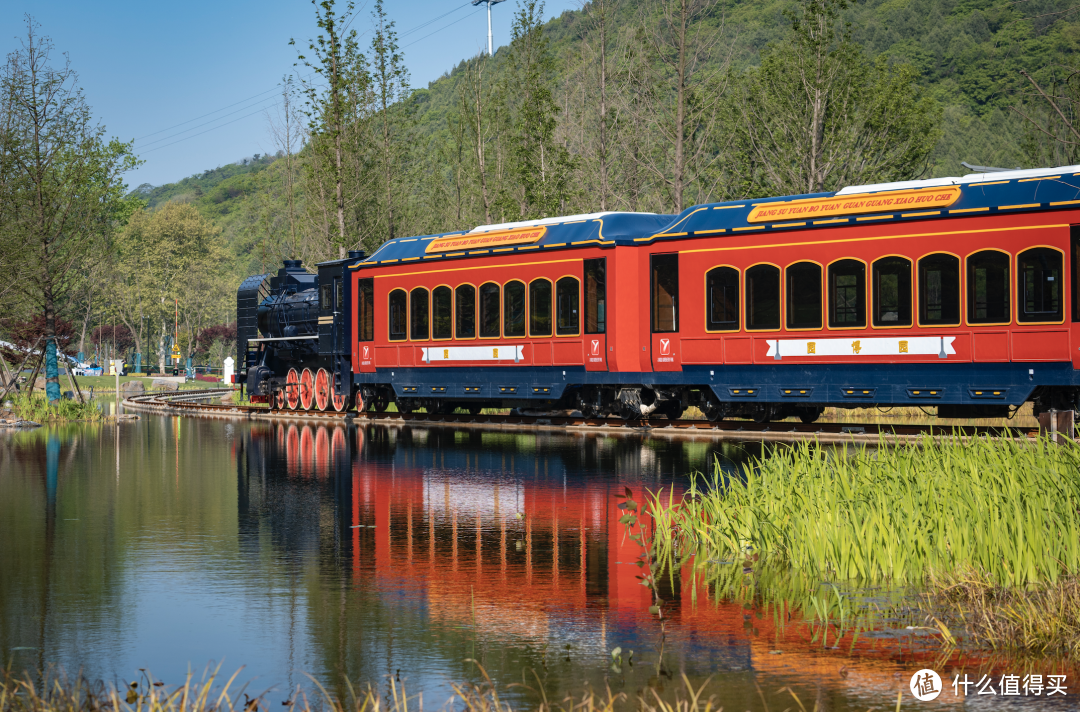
x=194, y=403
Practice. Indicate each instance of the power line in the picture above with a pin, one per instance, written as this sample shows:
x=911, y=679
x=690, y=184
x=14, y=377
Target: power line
x=438, y=30
x=262, y=101
x=210, y=113
x=276, y=88
x=239, y=118
x=434, y=20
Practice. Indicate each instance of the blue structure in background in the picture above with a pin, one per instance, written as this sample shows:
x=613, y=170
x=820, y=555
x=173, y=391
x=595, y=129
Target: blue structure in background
x=52, y=371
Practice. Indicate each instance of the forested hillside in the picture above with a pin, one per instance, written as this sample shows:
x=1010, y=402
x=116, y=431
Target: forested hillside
x=967, y=56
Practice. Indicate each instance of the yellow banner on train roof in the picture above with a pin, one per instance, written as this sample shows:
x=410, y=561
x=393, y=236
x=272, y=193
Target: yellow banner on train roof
x=809, y=208
x=477, y=240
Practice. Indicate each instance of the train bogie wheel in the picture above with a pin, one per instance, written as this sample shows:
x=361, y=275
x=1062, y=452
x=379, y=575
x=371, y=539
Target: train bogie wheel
x=307, y=389
x=380, y=403
x=322, y=389
x=339, y=403
x=292, y=389
x=277, y=400
x=475, y=409
x=359, y=402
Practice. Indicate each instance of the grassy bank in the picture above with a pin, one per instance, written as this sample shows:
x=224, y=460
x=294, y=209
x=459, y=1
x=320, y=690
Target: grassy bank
x=1041, y=620
x=900, y=514
x=984, y=533
x=35, y=407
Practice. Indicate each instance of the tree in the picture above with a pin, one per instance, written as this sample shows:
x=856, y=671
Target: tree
x=475, y=125
x=287, y=133
x=601, y=14
x=62, y=188
x=117, y=337
x=336, y=103
x=1052, y=115
x=169, y=267
x=390, y=81
x=27, y=334
x=818, y=115
x=542, y=168
x=674, y=89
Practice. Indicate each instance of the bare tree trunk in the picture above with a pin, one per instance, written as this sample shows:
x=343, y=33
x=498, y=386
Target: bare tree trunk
x=680, y=115
x=473, y=106
x=602, y=18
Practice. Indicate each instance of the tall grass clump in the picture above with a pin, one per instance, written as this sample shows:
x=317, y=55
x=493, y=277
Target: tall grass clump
x=38, y=409
x=1010, y=510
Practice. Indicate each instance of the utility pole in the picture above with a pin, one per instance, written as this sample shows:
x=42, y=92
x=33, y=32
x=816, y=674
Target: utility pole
x=489, y=3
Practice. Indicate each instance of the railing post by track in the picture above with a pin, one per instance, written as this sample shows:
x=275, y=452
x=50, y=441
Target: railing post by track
x=1058, y=425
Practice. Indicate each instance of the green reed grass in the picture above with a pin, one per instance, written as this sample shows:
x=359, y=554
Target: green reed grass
x=1008, y=509
x=36, y=408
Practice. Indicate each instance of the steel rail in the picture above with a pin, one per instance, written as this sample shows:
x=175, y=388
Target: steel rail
x=189, y=403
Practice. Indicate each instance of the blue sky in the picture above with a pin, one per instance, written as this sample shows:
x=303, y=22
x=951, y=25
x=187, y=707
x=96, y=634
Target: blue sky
x=148, y=66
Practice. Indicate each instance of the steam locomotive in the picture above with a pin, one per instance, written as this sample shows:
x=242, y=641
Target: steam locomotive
x=293, y=336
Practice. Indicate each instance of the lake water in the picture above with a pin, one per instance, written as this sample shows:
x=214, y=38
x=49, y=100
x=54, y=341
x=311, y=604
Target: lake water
x=375, y=553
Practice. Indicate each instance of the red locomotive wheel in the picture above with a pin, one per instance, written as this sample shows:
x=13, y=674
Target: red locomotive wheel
x=340, y=403
x=360, y=404
x=292, y=389
x=278, y=399
x=307, y=389
x=322, y=389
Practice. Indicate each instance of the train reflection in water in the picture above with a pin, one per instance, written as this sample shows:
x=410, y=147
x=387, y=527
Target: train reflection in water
x=514, y=535
x=509, y=543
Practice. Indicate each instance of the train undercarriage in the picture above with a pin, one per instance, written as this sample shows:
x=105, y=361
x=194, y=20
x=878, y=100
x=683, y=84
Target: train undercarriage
x=313, y=389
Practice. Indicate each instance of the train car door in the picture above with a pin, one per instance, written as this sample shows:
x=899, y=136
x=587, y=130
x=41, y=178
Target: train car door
x=1074, y=296
x=664, y=311
x=365, y=325
x=595, y=288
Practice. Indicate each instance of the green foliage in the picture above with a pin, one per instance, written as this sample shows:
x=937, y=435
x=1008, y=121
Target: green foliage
x=1009, y=509
x=914, y=61
x=35, y=407
x=818, y=115
x=542, y=168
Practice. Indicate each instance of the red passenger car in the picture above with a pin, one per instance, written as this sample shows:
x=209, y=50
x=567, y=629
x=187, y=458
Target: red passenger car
x=958, y=293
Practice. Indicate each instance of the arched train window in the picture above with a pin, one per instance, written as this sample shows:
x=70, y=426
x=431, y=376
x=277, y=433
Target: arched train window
x=804, y=295
x=418, y=314
x=465, y=303
x=988, y=288
x=722, y=299
x=540, y=307
x=442, y=313
x=490, y=294
x=892, y=291
x=762, y=289
x=398, y=312
x=1040, y=285
x=939, y=290
x=566, y=307
x=847, y=294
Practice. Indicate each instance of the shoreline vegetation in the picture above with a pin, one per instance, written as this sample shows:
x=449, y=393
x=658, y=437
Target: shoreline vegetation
x=978, y=537
x=49, y=692
x=35, y=408
x=32, y=407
